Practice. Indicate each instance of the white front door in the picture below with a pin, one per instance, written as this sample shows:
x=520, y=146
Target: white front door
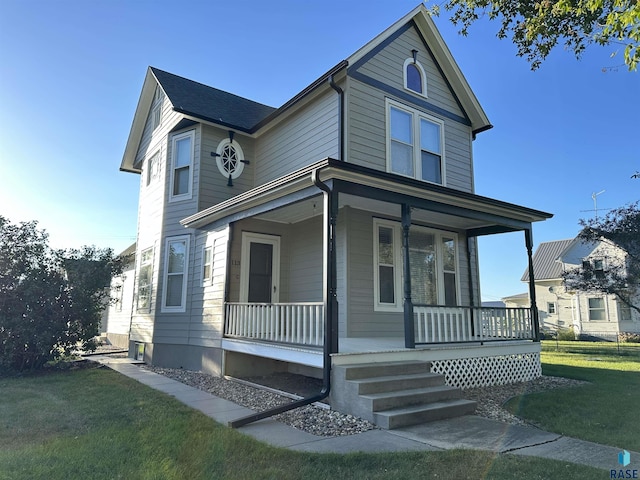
x=260, y=268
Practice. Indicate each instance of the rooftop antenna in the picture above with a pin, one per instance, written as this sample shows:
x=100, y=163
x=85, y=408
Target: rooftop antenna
x=595, y=201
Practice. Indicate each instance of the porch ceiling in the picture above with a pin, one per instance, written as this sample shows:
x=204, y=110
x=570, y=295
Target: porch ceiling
x=294, y=197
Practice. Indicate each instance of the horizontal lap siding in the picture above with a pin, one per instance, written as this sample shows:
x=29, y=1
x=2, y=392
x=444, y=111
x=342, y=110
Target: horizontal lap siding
x=306, y=261
x=300, y=140
x=367, y=115
x=213, y=186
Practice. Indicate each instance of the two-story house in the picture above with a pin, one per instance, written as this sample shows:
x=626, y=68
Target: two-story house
x=562, y=306
x=336, y=230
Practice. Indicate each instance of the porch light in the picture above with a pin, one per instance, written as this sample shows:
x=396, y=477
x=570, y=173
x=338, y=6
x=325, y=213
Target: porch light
x=414, y=54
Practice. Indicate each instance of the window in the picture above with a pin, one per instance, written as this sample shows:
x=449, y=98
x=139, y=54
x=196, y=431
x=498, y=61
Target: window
x=156, y=108
x=414, y=144
x=207, y=265
x=551, y=308
x=175, y=291
x=433, y=260
x=593, y=268
x=153, y=168
x=597, y=309
x=624, y=312
x=182, y=157
x=145, y=275
x=230, y=158
x=414, y=77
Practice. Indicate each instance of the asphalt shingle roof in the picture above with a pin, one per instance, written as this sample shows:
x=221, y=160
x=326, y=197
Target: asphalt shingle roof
x=208, y=103
x=545, y=266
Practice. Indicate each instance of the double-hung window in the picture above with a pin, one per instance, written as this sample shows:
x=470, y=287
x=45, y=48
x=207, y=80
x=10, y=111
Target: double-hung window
x=175, y=280
x=207, y=265
x=145, y=275
x=415, y=144
x=182, y=165
x=597, y=311
x=433, y=266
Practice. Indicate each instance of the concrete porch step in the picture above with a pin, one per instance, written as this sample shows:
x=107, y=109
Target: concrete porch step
x=393, y=383
x=371, y=370
x=416, y=414
x=415, y=396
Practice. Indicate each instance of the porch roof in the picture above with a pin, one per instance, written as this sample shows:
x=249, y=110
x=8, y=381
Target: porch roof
x=485, y=215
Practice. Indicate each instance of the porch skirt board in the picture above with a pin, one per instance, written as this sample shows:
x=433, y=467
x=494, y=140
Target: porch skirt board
x=486, y=371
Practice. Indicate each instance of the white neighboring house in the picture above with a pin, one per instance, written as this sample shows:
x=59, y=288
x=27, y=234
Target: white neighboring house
x=116, y=319
x=588, y=313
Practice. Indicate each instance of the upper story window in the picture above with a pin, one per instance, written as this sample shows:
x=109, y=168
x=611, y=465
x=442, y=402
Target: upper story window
x=230, y=158
x=153, y=167
x=182, y=165
x=414, y=77
x=156, y=108
x=414, y=144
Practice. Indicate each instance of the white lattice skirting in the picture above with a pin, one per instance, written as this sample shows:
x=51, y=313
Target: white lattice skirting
x=486, y=371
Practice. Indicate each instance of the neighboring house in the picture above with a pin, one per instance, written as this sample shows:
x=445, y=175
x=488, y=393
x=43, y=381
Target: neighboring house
x=588, y=313
x=116, y=319
x=338, y=229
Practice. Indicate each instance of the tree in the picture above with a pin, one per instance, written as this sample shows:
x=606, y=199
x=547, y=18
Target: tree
x=537, y=26
x=620, y=228
x=50, y=301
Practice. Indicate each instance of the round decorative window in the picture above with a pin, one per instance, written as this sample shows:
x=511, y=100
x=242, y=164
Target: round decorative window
x=229, y=158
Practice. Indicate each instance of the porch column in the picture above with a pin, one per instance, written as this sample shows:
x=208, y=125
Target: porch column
x=409, y=333
x=528, y=235
x=470, y=243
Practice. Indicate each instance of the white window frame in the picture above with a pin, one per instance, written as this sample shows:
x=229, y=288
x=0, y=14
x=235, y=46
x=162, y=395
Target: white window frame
x=156, y=109
x=153, y=167
x=207, y=279
x=191, y=134
x=398, y=306
x=551, y=308
x=416, y=116
x=185, y=275
x=603, y=309
x=423, y=77
x=142, y=263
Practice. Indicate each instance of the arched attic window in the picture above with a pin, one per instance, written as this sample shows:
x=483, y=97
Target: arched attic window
x=414, y=77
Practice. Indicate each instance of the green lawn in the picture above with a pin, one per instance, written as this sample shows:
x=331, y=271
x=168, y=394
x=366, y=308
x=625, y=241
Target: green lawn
x=97, y=424
x=604, y=411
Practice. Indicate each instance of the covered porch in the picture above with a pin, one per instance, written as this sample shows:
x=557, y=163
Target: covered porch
x=359, y=247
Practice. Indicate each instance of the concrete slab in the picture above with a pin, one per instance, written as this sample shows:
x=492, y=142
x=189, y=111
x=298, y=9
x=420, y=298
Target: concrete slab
x=276, y=433
x=578, y=451
x=371, y=441
x=475, y=432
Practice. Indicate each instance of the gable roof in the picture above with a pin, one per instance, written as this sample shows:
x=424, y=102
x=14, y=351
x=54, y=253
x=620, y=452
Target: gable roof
x=545, y=260
x=444, y=60
x=208, y=103
x=232, y=111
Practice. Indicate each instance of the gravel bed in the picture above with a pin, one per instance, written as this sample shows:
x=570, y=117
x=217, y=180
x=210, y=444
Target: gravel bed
x=327, y=423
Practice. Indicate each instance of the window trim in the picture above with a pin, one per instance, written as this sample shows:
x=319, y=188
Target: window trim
x=207, y=280
x=191, y=134
x=423, y=77
x=153, y=167
x=603, y=309
x=150, y=284
x=416, y=116
x=396, y=226
x=156, y=108
x=185, y=275
x=551, y=308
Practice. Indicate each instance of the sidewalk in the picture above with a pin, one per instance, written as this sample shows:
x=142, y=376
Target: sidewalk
x=470, y=432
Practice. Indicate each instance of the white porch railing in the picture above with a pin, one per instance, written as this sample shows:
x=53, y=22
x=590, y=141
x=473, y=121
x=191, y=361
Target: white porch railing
x=299, y=323
x=435, y=324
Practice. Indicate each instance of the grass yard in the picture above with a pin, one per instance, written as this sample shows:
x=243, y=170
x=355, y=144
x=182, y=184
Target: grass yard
x=604, y=411
x=97, y=424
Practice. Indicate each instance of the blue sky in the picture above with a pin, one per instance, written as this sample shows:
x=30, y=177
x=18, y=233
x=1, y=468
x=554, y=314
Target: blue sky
x=72, y=71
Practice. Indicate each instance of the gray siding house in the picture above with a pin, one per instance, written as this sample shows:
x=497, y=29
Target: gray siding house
x=337, y=230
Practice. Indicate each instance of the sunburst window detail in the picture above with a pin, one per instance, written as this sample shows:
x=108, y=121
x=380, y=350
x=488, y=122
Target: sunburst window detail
x=230, y=158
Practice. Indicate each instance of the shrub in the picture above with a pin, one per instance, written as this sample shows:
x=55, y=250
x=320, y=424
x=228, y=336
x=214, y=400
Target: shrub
x=565, y=334
x=629, y=337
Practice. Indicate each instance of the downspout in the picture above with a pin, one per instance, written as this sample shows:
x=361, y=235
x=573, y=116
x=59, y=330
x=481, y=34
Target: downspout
x=340, y=116
x=330, y=301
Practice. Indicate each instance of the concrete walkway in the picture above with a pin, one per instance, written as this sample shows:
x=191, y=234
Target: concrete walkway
x=470, y=432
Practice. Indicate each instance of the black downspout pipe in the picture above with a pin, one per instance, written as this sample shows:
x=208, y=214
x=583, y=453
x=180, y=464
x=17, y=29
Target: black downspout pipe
x=330, y=309
x=340, y=116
